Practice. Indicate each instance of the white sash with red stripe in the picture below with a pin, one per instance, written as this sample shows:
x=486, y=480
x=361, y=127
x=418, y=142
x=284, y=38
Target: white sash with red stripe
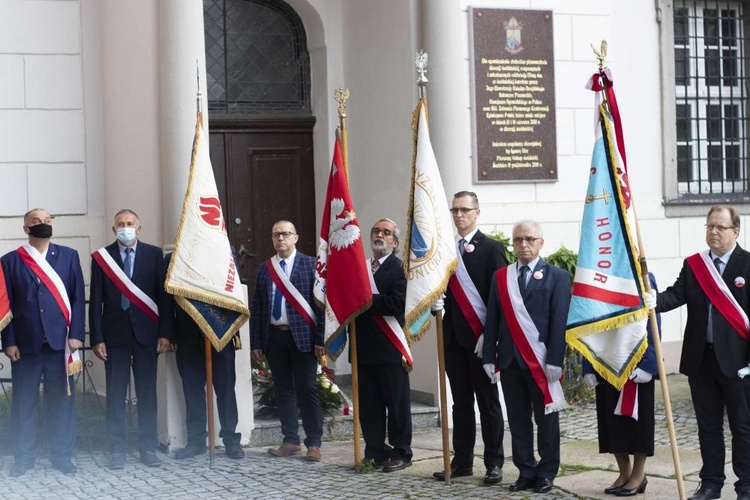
x=126, y=286
x=718, y=292
x=627, y=403
x=467, y=297
x=47, y=275
x=392, y=330
x=526, y=338
x=290, y=292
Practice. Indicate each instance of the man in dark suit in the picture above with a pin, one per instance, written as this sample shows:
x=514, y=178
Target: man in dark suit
x=36, y=337
x=127, y=309
x=525, y=339
x=383, y=379
x=715, y=352
x=191, y=363
x=290, y=335
x=481, y=257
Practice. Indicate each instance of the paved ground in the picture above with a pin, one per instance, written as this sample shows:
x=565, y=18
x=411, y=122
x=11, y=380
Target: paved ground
x=584, y=474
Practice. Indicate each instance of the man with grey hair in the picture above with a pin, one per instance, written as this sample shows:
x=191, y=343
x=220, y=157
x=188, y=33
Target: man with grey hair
x=383, y=364
x=525, y=338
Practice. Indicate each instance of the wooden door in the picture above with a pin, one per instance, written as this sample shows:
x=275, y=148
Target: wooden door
x=264, y=171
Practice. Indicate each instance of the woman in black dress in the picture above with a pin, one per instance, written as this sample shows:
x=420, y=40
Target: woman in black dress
x=623, y=435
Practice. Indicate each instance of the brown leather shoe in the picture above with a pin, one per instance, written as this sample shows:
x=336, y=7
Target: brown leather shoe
x=313, y=454
x=285, y=450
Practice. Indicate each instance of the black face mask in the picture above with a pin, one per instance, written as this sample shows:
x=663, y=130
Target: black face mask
x=41, y=231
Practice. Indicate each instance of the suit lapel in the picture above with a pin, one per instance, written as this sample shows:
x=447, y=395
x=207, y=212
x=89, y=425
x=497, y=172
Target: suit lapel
x=733, y=268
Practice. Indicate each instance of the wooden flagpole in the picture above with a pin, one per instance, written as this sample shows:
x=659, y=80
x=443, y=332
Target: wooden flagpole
x=341, y=96
x=207, y=343
x=421, y=64
x=656, y=334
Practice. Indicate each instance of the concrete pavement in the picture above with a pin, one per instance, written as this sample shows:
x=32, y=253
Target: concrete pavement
x=584, y=473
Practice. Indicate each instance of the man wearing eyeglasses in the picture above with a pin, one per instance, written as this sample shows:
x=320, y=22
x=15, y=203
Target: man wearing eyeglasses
x=383, y=379
x=715, y=353
x=465, y=311
x=525, y=338
x=287, y=328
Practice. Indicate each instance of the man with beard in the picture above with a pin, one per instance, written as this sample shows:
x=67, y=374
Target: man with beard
x=383, y=376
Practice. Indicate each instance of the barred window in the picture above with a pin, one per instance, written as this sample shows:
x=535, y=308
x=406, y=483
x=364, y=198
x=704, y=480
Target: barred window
x=256, y=57
x=711, y=98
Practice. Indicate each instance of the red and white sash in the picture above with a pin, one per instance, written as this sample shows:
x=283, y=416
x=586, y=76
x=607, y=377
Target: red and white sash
x=126, y=286
x=467, y=297
x=627, y=403
x=290, y=292
x=392, y=330
x=47, y=275
x=526, y=338
x=718, y=292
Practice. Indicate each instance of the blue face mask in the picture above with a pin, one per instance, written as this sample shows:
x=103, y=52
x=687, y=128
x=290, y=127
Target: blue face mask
x=126, y=235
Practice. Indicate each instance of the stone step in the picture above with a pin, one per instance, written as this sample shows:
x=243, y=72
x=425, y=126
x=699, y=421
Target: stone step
x=268, y=432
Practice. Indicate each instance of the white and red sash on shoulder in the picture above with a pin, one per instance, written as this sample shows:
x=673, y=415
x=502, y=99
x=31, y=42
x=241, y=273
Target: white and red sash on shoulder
x=290, y=292
x=718, y=292
x=47, y=275
x=126, y=286
x=526, y=338
x=467, y=298
x=627, y=403
x=392, y=330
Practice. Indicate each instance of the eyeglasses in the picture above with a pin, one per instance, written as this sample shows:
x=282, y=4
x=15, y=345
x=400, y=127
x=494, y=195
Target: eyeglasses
x=463, y=210
x=528, y=239
x=721, y=229
x=377, y=230
x=283, y=234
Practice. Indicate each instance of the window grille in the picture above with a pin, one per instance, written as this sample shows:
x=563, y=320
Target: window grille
x=256, y=57
x=711, y=98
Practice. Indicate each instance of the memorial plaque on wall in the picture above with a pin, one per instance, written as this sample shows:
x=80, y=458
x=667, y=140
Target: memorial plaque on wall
x=513, y=101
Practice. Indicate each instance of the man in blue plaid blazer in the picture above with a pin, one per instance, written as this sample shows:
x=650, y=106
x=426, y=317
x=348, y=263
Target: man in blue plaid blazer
x=280, y=332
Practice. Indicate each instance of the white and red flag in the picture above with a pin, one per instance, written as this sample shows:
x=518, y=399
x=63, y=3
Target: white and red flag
x=342, y=285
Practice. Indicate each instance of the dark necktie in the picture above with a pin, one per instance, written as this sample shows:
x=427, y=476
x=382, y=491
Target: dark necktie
x=462, y=246
x=375, y=265
x=127, y=266
x=522, y=278
x=710, y=329
x=277, y=296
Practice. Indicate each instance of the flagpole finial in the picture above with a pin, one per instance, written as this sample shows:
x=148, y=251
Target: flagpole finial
x=601, y=54
x=341, y=95
x=420, y=61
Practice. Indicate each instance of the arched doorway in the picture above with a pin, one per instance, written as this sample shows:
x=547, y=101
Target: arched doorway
x=260, y=122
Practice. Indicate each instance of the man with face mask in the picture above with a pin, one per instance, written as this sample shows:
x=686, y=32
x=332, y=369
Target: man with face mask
x=46, y=294
x=126, y=303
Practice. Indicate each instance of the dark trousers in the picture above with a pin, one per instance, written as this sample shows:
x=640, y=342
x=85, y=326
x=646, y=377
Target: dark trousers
x=143, y=358
x=384, y=387
x=712, y=392
x=467, y=379
x=522, y=396
x=26, y=374
x=294, y=379
x=191, y=362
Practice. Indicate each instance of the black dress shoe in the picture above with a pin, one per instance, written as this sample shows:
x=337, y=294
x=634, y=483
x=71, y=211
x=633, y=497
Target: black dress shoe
x=149, y=459
x=190, y=451
x=234, y=450
x=612, y=490
x=543, y=485
x=522, y=484
x=494, y=475
x=375, y=464
x=18, y=470
x=66, y=467
x=455, y=472
x=394, y=464
x=117, y=461
x=706, y=492
x=641, y=488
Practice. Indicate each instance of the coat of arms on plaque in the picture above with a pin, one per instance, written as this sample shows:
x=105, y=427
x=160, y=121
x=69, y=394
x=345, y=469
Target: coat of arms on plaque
x=513, y=36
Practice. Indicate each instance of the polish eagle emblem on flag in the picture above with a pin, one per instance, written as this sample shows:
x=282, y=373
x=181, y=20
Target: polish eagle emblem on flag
x=341, y=233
